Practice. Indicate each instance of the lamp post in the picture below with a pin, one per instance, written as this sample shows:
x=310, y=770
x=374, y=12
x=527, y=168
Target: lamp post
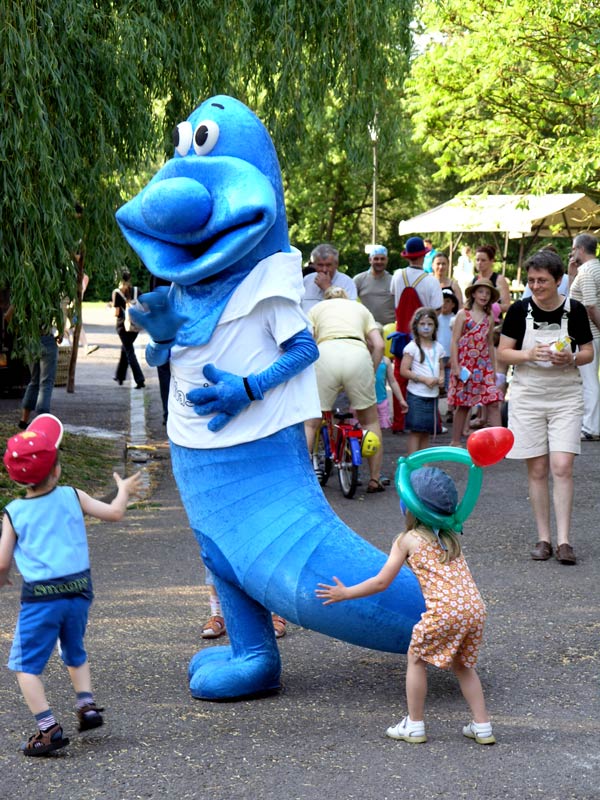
x=373, y=134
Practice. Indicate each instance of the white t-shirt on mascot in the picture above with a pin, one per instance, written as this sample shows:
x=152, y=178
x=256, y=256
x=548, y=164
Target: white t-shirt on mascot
x=263, y=312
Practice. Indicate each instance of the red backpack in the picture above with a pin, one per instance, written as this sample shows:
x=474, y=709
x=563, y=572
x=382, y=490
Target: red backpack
x=409, y=303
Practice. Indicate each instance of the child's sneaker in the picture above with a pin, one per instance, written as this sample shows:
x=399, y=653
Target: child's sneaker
x=408, y=731
x=44, y=742
x=480, y=731
x=89, y=717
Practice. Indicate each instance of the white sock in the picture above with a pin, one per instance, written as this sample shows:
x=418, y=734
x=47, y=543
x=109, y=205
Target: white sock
x=215, y=606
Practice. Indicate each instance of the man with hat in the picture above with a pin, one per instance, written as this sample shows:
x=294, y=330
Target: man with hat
x=374, y=286
x=429, y=294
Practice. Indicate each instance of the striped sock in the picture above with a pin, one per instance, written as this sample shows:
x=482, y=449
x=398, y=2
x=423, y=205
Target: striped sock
x=45, y=720
x=84, y=699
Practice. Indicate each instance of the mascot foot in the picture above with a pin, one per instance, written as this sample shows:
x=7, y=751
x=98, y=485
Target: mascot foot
x=215, y=674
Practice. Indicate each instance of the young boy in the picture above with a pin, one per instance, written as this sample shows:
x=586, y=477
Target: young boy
x=45, y=531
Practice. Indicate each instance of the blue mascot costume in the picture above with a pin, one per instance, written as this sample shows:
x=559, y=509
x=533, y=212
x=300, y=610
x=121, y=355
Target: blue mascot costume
x=212, y=222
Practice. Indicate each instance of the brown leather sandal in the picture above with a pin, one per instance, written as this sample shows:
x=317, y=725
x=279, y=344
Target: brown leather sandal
x=279, y=625
x=375, y=486
x=44, y=742
x=214, y=627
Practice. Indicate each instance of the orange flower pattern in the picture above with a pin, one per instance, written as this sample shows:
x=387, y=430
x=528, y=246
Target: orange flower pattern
x=452, y=624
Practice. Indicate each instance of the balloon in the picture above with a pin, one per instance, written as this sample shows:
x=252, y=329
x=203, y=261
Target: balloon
x=432, y=518
x=489, y=445
x=387, y=329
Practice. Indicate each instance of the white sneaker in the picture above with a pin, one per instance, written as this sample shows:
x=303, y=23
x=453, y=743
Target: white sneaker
x=480, y=731
x=408, y=731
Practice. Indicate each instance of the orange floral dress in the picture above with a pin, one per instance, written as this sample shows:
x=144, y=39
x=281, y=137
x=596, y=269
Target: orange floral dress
x=452, y=624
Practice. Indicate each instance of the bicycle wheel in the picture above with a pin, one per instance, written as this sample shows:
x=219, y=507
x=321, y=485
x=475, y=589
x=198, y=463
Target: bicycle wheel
x=347, y=472
x=322, y=462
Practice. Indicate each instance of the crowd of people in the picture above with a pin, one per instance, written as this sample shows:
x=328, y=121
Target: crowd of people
x=463, y=346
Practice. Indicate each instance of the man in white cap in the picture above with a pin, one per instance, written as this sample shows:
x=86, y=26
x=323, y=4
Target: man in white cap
x=374, y=286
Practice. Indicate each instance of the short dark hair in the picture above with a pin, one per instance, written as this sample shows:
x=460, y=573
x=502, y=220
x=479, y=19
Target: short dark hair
x=546, y=259
x=488, y=249
x=588, y=243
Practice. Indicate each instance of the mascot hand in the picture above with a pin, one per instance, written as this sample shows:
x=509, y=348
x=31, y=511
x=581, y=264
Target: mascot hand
x=226, y=398
x=160, y=320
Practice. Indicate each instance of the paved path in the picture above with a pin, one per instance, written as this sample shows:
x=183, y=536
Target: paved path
x=323, y=735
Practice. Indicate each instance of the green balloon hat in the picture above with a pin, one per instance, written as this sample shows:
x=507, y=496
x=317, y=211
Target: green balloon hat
x=484, y=448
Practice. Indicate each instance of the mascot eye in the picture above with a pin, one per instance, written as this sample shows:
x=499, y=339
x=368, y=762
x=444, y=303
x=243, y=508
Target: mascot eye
x=206, y=136
x=182, y=138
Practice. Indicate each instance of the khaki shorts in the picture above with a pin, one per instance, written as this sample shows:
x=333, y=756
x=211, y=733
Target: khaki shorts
x=545, y=412
x=345, y=364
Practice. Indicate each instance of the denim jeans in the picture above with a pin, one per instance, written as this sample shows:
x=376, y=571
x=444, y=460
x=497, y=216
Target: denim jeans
x=38, y=393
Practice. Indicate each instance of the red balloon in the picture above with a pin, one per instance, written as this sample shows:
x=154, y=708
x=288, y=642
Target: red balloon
x=489, y=445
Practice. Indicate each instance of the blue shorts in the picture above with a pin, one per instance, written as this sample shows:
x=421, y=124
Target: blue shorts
x=39, y=627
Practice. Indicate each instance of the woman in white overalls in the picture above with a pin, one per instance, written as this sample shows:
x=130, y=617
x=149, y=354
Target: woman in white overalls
x=546, y=396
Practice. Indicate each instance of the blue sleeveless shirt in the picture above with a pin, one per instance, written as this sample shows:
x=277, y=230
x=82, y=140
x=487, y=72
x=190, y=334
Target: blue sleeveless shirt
x=51, y=536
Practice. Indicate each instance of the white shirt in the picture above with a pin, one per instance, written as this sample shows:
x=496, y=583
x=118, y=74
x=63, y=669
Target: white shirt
x=429, y=367
x=428, y=289
x=314, y=295
x=262, y=313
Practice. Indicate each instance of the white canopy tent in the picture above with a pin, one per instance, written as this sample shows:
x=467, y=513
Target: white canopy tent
x=513, y=215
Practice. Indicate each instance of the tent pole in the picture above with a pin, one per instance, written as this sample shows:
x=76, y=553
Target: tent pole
x=505, y=253
x=519, y=265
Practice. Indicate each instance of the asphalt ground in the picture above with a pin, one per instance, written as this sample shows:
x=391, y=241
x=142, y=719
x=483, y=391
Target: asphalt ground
x=323, y=734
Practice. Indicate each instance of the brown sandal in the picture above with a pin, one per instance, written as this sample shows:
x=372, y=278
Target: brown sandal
x=44, y=742
x=279, y=625
x=214, y=627
x=375, y=486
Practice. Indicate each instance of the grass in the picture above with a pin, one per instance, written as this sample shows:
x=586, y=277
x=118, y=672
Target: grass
x=87, y=463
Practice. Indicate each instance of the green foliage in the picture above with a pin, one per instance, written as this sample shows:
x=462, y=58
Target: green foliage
x=506, y=95
x=92, y=88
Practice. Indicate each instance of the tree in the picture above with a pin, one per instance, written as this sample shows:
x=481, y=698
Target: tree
x=505, y=96
x=90, y=89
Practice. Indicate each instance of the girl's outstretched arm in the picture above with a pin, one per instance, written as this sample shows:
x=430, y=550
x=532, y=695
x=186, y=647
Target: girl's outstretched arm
x=113, y=511
x=378, y=583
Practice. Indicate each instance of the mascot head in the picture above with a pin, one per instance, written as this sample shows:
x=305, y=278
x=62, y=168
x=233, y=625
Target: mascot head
x=216, y=205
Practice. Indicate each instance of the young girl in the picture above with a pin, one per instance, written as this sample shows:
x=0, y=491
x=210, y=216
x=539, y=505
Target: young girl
x=422, y=365
x=445, y=323
x=384, y=377
x=450, y=631
x=473, y=360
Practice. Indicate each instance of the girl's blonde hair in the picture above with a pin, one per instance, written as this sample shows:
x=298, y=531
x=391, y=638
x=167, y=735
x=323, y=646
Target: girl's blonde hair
x=335, y=293
x=449, y=539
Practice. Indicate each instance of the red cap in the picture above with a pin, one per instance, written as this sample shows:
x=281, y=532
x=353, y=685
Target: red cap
x=30, y=455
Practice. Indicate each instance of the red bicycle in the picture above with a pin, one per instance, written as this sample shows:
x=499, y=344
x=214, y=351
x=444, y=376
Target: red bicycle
x=343, y=445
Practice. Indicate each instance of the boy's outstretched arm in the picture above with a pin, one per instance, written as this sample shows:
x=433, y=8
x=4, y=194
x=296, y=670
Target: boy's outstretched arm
x=113, y=511
x=8, y=541
x=378, y=583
